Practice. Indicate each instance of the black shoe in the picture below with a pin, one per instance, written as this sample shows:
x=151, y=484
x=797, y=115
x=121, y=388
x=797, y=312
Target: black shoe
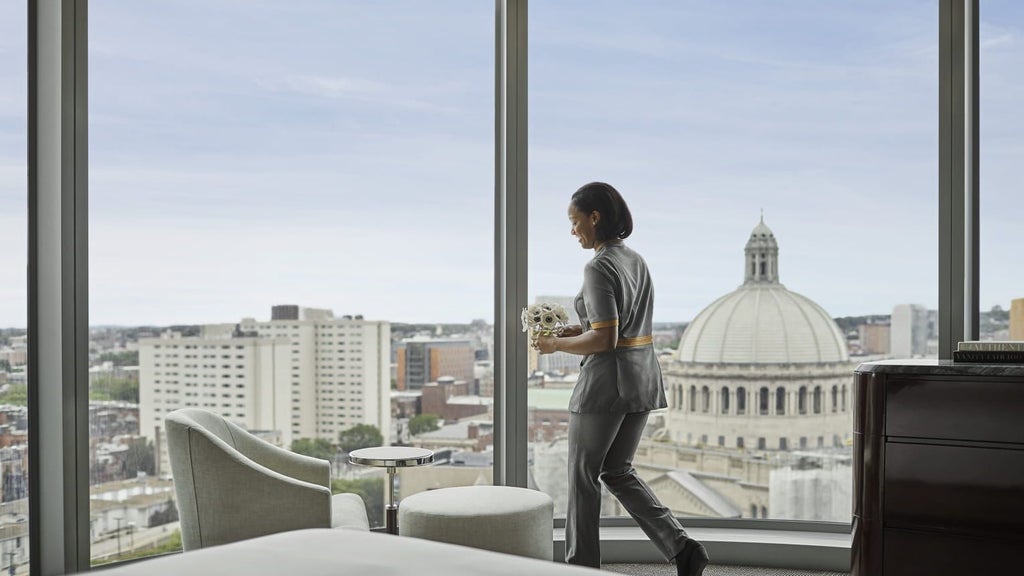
x=692, y=559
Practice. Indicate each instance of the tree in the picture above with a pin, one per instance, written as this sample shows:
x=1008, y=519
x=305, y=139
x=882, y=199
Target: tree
x=359, y=436
x=165, y=515
x=141, y=458
x=122, y=389
x=371, y=490
x=315, y=447
x=422, y=423
x=16, y=394
x=124, y=358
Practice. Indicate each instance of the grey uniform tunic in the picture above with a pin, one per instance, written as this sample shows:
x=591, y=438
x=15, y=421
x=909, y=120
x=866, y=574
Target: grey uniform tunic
x=617, y=291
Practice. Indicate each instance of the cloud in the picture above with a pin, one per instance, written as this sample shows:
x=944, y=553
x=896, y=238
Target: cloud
x=181, y=272
x=324, y=87
x=1002, y=40
x=354, y=89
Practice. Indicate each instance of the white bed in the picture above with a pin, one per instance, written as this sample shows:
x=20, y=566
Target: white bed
x=327, y=552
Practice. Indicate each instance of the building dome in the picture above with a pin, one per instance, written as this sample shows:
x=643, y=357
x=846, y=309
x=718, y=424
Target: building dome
x=762, y=322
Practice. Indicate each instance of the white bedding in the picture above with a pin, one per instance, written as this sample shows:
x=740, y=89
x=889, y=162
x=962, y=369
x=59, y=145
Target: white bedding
x=325, y=552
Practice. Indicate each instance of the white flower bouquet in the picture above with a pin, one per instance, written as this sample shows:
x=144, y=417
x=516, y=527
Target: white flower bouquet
x=544, y=319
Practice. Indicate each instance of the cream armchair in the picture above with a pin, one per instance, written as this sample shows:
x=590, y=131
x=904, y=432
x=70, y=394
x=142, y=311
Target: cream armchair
x=232, y=485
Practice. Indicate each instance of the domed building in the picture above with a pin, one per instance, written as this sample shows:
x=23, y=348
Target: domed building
x=762, y=368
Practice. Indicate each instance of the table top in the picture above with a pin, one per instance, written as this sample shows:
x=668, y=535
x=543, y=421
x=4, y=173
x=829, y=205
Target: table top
x=391, y=456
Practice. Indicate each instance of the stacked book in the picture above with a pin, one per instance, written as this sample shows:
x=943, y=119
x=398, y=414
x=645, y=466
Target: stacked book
x=990, y=351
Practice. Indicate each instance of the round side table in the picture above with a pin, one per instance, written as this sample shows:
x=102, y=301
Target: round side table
x=391, y=457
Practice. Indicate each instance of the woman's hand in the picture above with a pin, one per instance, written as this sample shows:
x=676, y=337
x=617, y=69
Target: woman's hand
x=545, y=344
x=590, y=342
x=571, y=330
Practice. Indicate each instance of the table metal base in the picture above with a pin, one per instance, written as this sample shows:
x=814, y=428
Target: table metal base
x=391, y=518
x=391, y=508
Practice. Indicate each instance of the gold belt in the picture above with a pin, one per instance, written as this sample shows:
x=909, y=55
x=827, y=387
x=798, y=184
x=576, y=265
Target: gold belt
x=631, y=342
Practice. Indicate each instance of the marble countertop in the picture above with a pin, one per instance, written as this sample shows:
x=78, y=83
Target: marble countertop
x=933, y=367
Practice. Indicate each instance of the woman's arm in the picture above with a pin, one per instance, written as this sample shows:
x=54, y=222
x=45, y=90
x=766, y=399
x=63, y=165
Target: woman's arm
x=571, y=330
x=590, y=342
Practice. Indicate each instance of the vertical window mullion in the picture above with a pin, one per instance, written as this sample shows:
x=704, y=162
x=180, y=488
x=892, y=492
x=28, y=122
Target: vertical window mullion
x=510, y=347
x=58, y=277
x=958, y=174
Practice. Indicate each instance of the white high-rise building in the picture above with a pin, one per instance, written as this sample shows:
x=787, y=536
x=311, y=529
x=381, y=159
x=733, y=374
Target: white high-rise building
x=244, y=379
x=908, y=334
x=340, y=371
x=304, y=378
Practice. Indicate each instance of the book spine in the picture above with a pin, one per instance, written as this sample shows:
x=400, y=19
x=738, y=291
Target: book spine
x=994, y=356
x=991, y=346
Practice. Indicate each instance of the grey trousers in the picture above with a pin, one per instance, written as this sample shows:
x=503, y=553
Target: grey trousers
x=601, y=446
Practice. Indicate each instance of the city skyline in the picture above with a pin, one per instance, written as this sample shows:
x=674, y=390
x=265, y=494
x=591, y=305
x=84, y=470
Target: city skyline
x=393, y=322
x=229, y=176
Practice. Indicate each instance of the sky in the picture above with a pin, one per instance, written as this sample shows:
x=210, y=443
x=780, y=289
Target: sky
x=339, y=154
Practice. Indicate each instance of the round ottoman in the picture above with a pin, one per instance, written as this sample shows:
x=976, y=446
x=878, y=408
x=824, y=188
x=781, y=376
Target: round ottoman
x=499, y=518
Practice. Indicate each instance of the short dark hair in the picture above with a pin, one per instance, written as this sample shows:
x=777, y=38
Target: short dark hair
x=616, y=220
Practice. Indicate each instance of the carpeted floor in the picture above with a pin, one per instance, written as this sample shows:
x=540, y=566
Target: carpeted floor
x=669, y=570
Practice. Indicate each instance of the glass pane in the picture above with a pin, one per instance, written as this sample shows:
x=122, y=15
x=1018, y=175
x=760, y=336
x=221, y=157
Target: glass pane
x=284, y=220
x=778, y=160
x=13, y=293
x=1002, y=280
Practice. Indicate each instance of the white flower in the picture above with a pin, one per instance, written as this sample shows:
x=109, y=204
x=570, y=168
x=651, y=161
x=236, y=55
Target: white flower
x=548, y=321
x=544, y=318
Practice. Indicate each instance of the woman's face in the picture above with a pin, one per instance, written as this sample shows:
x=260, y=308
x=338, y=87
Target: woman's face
x=584, y=226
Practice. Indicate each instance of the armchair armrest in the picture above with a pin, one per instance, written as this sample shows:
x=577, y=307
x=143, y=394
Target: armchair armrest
x=237, y=498
x=286, y=462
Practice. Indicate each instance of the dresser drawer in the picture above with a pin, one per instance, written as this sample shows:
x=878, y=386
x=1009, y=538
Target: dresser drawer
x=987, y=410
x=954, y=487
x=911, y=553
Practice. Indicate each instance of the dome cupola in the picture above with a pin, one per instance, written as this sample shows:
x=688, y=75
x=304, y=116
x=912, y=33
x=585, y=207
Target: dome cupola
x=762, y=322
x=762, y=255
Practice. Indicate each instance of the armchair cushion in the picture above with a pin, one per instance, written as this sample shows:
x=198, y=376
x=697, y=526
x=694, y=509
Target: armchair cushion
x=348, y=511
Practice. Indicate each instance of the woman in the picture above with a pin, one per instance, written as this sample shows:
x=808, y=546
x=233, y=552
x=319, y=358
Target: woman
x=618, y=385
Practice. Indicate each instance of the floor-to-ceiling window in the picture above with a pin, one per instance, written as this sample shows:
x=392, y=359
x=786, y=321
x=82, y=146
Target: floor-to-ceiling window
x=114, y=381
x=1001, y=298
x=771, y=155
x=291, y=225
x=14, y=549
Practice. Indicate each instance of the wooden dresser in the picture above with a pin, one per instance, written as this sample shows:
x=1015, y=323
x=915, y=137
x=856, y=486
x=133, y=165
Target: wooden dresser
x=938, y=469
